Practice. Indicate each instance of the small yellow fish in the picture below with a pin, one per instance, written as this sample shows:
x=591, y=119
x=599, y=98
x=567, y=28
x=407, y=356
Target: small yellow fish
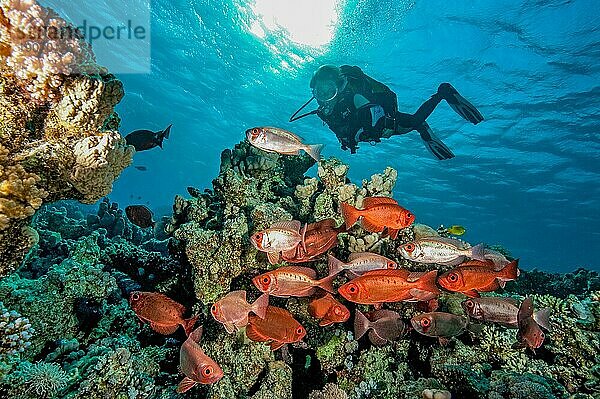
x=456, y=230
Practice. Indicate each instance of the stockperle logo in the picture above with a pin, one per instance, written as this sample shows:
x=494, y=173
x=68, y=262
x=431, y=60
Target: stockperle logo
x=118, y=31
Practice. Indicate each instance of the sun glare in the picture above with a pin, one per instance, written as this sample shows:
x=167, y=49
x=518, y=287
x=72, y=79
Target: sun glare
x=309, y=22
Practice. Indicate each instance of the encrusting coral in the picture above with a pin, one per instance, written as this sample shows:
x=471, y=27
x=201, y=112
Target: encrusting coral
x=57, y=124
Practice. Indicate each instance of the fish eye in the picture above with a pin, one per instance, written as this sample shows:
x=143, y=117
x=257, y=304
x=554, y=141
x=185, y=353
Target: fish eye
x=409, y=215
x=352, y=288
x=213, y=309
x=266, y=279
x=391, y=265
x=409, y=247
x=257, y=236
x=299, y=330
x=337, y=310
x=469, y=303
x=425, y=322
x=208, y=370
x=453, y=277
x=135, y=296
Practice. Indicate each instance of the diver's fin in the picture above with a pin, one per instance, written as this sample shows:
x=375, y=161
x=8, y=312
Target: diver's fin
x=433, y=144
x=459, y=104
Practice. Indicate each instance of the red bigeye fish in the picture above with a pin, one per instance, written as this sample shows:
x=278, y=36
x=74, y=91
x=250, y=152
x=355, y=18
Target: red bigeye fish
x=163, y=313
x=280, y=237
x=395, y=285
x=444, y=251
x=502, y=311
x=319, y=238
x=197, y=367
x=530, y=334
x=360, y=263
x=383, y=326
x=328, y=310
x=272, y=139
x=439, y=325
x=473, y=277
x=277, y=328
x=378, y=214
x=289, y=281
x=232, y=310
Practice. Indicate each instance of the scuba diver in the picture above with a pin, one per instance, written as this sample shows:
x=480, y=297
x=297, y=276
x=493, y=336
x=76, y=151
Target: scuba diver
x=357, y=108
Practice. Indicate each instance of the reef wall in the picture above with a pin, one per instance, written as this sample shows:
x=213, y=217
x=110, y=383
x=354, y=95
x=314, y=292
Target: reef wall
x=58, y=130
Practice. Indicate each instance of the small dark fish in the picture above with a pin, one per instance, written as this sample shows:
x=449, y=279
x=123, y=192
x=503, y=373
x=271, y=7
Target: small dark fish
x=383, y=326
x=147, y=139
x=141, y=168
x=140, y=215
x=502, y=311
x=440, y=325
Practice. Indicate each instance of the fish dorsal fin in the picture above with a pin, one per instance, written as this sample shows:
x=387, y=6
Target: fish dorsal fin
x=240, y=295
x=253, y=334
x=356, y=255
x=402, y=273
x=478, y=263
x=292, y=225
x=370, y=202
x=164, y=330
x=171, y=303
x=311, y=273
x=326, y=223
x=196, y=335
x=414, y=276
x=512, y=301
x=452, y=241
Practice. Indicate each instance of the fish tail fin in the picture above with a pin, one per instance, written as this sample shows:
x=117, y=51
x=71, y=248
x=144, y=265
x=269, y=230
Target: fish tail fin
x=327, y=283
x=188, y=324
x=478, y=252
x=315, y=151
x=511, y=271
x=259, y=307
x=542, y=317
x=335, y=265
x=350, y=214
x=164, y=135
x=361, y=324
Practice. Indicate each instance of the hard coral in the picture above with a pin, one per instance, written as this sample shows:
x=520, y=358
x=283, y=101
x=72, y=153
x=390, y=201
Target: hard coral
x=98, y=162
x=40, y=49
x=19, y=195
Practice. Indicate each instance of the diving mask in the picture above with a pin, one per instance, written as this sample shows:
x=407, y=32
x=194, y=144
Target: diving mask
x=325, y=91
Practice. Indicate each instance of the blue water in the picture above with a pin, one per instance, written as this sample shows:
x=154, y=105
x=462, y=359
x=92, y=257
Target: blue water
x=527, y=178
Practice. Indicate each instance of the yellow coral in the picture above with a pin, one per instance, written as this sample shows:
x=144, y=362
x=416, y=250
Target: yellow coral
x=19, y=196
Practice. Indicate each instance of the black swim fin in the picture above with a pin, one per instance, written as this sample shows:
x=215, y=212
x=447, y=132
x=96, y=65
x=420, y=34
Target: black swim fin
x=459, y=104
x=434, y=144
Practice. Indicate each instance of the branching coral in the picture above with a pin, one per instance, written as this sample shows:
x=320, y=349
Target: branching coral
x=15, y=333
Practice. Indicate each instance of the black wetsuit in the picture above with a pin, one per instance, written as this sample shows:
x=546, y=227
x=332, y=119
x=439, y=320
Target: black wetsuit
x=368, y=122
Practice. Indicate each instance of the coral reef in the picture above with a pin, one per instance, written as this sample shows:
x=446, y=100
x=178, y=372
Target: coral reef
x=57, y=125
x=39, y=380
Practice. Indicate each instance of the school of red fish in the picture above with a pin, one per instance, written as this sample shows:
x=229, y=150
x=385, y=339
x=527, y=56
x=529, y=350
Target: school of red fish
x=373, y=279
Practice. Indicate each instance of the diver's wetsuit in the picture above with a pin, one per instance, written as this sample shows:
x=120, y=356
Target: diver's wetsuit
x=367, y=110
